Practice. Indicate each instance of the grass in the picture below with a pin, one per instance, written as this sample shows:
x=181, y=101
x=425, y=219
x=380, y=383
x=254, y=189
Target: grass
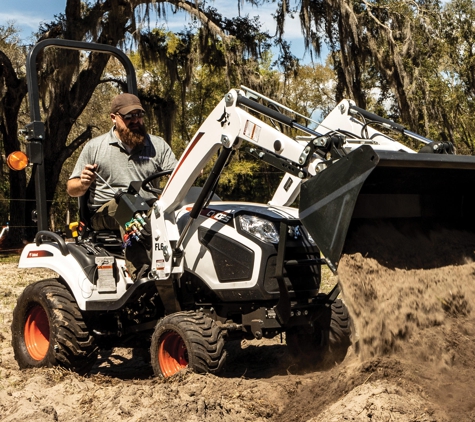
x=9, y=258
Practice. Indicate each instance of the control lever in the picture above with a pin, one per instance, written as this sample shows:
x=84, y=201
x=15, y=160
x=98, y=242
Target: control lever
x=103, y=180
x=131, y=214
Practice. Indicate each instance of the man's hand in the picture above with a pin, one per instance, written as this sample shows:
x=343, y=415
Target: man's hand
x=78, y=186
x=88, y=175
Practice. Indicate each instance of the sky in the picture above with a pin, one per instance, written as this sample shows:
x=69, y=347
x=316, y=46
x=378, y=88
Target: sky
x=28, y=14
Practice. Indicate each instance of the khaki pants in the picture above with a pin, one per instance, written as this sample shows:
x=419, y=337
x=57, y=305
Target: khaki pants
x=137, y=258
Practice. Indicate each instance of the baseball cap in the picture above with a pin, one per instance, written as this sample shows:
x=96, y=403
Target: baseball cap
x=125, y=103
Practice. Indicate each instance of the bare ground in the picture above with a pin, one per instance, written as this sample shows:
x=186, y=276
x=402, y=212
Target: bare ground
x=413, y=361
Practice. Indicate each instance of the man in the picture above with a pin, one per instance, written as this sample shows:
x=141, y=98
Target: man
x=126, y=153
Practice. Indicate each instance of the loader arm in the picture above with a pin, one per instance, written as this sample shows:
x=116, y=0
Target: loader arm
x=228, y=125
x=357, y=131
x=231, y=122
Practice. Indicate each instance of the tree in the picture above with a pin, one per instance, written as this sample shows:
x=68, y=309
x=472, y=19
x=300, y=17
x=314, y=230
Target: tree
x=408, y=59
x=13, y=89
x=378, y=44
x=456, y=89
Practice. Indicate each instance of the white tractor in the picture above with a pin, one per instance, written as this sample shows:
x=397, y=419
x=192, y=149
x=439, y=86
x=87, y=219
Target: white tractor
x=223, y=271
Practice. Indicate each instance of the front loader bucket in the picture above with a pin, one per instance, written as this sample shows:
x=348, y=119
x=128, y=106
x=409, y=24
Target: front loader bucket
x=415, y=193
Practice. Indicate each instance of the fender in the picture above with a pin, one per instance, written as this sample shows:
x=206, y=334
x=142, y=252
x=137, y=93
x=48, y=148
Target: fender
x=50, y=256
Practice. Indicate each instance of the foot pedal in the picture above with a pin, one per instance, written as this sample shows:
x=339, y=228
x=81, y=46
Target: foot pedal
x=105, y=271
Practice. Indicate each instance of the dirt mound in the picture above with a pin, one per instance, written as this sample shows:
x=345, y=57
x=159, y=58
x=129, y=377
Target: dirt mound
x=424, y=320
x=414, y=345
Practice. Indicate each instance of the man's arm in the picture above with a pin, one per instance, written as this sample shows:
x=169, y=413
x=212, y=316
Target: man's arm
x=78, y=186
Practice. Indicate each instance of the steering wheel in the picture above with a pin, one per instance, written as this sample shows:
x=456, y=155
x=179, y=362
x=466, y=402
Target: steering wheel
x=154, y=176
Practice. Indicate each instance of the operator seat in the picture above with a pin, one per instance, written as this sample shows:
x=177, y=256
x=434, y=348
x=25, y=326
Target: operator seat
x=108, y=239
x=91, y=243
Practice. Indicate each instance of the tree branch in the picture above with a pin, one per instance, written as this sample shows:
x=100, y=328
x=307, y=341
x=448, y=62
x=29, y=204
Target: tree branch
x=85, y=136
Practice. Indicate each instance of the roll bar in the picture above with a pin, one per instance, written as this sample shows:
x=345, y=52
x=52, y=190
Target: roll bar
x=35, y=131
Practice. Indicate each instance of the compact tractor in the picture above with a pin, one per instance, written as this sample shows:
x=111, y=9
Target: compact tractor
x=220, y=270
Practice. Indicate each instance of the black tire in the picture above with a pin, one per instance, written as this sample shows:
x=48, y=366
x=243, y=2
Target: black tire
x=187, y=339
x=328, y=343
x=48, y=329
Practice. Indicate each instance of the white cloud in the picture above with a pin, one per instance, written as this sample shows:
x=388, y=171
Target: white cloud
x=22, y=19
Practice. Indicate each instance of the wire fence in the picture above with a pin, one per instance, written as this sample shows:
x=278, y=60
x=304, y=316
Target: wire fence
x=61, y=213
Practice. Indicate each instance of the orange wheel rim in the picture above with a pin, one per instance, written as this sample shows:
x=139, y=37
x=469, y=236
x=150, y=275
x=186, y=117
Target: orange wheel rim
x=172, y=354
x=37, y=332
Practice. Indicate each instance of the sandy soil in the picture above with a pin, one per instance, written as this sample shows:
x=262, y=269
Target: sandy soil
x=413, y=360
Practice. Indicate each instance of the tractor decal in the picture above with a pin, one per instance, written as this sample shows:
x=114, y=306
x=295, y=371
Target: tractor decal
x=39, y=254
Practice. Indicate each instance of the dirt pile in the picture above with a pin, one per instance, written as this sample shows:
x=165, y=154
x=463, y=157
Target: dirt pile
x=421, y=324
x=414, y=349
x=408, y=312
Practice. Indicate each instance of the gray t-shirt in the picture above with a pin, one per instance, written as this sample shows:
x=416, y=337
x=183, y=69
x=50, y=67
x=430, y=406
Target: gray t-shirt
x=119, y=167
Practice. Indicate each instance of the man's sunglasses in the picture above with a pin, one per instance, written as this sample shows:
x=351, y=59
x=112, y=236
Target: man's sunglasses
x=130, y=116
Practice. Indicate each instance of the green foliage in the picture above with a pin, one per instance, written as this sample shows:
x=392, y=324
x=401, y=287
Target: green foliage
x=454, y=90
x=411, y=61
x=247, y=179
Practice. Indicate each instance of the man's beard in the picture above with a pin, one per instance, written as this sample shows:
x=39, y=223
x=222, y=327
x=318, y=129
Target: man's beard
x=133, y=135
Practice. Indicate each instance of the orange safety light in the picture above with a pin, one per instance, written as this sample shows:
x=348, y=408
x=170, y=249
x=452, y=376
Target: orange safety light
x=17, y=160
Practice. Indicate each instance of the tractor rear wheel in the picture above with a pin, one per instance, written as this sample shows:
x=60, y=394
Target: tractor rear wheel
x=328, y=344
x=48, y=329
x=187, y=339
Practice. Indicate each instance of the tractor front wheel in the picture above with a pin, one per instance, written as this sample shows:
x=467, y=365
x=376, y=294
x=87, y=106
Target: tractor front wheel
x=327, y=344
x=187, y=339
x=48, y=329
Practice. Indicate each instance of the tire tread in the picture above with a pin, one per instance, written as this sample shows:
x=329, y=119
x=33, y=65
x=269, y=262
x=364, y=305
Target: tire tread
x=205, y=339
x=72, y=347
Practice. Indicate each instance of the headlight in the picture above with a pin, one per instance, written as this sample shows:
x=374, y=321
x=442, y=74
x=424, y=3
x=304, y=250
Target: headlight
x=258, y=227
